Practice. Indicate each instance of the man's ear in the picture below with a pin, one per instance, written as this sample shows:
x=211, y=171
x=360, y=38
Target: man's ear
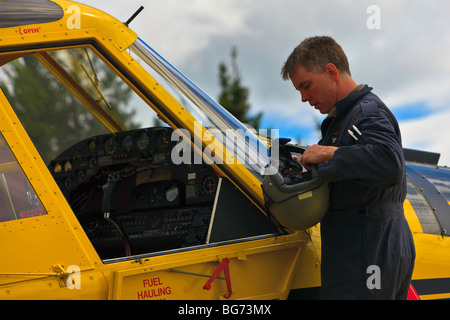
x=332, y=71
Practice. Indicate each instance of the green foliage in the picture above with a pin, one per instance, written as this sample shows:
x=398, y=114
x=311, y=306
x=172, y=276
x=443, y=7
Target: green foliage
x=52, y=116
x=234, y=96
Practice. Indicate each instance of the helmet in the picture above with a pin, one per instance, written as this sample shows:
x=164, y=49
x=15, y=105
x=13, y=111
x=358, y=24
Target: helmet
x=296, y=202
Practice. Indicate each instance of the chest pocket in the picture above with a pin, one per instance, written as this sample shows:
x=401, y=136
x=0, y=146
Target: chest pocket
x=349, y=133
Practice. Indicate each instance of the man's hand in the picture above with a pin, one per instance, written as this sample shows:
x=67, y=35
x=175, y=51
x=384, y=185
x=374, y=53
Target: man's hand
x=316, y=154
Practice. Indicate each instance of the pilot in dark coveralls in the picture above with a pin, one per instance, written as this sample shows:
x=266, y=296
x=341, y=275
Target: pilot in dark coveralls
x=367, y=247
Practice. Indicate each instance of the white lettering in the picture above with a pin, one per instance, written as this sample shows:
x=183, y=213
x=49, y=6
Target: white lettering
x=181, y=153
x=74, y=279
x=74, y=20
x=374, y=281
x=229, y=146
x=195, y=310
x=374, y=20
x=214, y=151
x=246, y=309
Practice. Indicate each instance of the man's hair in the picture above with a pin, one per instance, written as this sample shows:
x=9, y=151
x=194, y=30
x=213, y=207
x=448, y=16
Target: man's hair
x=314, y=54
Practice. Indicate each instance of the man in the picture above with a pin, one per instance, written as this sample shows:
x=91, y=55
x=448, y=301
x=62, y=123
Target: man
x=367, y=246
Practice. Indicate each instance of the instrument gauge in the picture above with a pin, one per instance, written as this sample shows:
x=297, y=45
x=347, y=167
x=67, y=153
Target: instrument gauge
x=142, y=141
x=111, y=145
x=208, y=185
x=92, y=162
x=57, y=168
x=127, y=143
x=172, y=193
x=92, y=145
x=163, y=141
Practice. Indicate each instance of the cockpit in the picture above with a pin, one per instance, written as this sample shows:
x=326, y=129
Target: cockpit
x=130, y=197
x=136, y=185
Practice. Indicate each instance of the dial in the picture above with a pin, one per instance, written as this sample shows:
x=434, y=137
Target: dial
x=92, y=162
x=208, y=185
x=154, y=195
x=127, y=143
x=142, y=141
x=111, y=145
x=92, y=145
x=81, y=175
x=67, y=166
x=172, y=193
x=57, y=168
x=67, y=183
x=163, y=141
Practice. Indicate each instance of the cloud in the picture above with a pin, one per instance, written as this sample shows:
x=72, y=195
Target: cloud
x=429, y=134
x=405, y=60
x=432, y=89
x=179, y=29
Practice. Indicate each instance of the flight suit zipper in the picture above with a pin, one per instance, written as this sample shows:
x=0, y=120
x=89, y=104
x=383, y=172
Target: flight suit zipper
x=325, y=139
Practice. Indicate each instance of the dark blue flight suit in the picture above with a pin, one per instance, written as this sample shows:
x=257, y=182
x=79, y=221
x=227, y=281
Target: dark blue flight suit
x=367, y=247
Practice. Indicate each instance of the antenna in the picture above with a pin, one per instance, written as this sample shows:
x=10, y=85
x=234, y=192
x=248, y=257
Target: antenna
x=134, y=15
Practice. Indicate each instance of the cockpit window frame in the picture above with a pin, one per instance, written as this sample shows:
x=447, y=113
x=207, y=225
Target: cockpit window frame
x=134, y=84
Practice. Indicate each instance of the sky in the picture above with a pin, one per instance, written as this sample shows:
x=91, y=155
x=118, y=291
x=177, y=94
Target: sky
x=400, y=48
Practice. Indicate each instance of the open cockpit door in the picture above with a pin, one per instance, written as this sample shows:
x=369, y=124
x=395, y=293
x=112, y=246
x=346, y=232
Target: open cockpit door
x=41, y=237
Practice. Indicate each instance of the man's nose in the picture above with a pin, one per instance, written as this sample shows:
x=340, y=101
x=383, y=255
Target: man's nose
x=305, y=97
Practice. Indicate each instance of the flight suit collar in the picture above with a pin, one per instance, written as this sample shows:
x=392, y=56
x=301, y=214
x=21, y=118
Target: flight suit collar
x=341, y=107
x=344, y=105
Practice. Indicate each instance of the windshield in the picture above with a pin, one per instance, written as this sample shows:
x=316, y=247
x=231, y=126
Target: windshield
x=68, y=95
x=238, y=139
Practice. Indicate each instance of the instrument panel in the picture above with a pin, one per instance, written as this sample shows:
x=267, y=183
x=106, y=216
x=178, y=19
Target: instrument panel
x=124, y=187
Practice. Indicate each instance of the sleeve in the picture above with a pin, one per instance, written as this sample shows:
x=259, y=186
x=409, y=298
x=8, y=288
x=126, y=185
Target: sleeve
x=375, y=159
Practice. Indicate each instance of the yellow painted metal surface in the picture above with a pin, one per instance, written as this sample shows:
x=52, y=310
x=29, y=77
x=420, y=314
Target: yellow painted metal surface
x=411, y=217
x=79, y=23
x=262, y=269
x=35, y=245
x=432, y=262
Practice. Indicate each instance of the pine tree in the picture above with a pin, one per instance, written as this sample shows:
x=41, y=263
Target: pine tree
x=234, y=96
x=39, y=99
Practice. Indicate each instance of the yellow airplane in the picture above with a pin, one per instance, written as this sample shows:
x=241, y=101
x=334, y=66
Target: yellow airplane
x=100, y=201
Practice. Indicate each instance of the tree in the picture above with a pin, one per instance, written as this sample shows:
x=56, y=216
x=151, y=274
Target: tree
x=234, y=96
x=53, y=117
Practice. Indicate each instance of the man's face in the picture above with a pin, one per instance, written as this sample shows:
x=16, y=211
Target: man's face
x=319, y=89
